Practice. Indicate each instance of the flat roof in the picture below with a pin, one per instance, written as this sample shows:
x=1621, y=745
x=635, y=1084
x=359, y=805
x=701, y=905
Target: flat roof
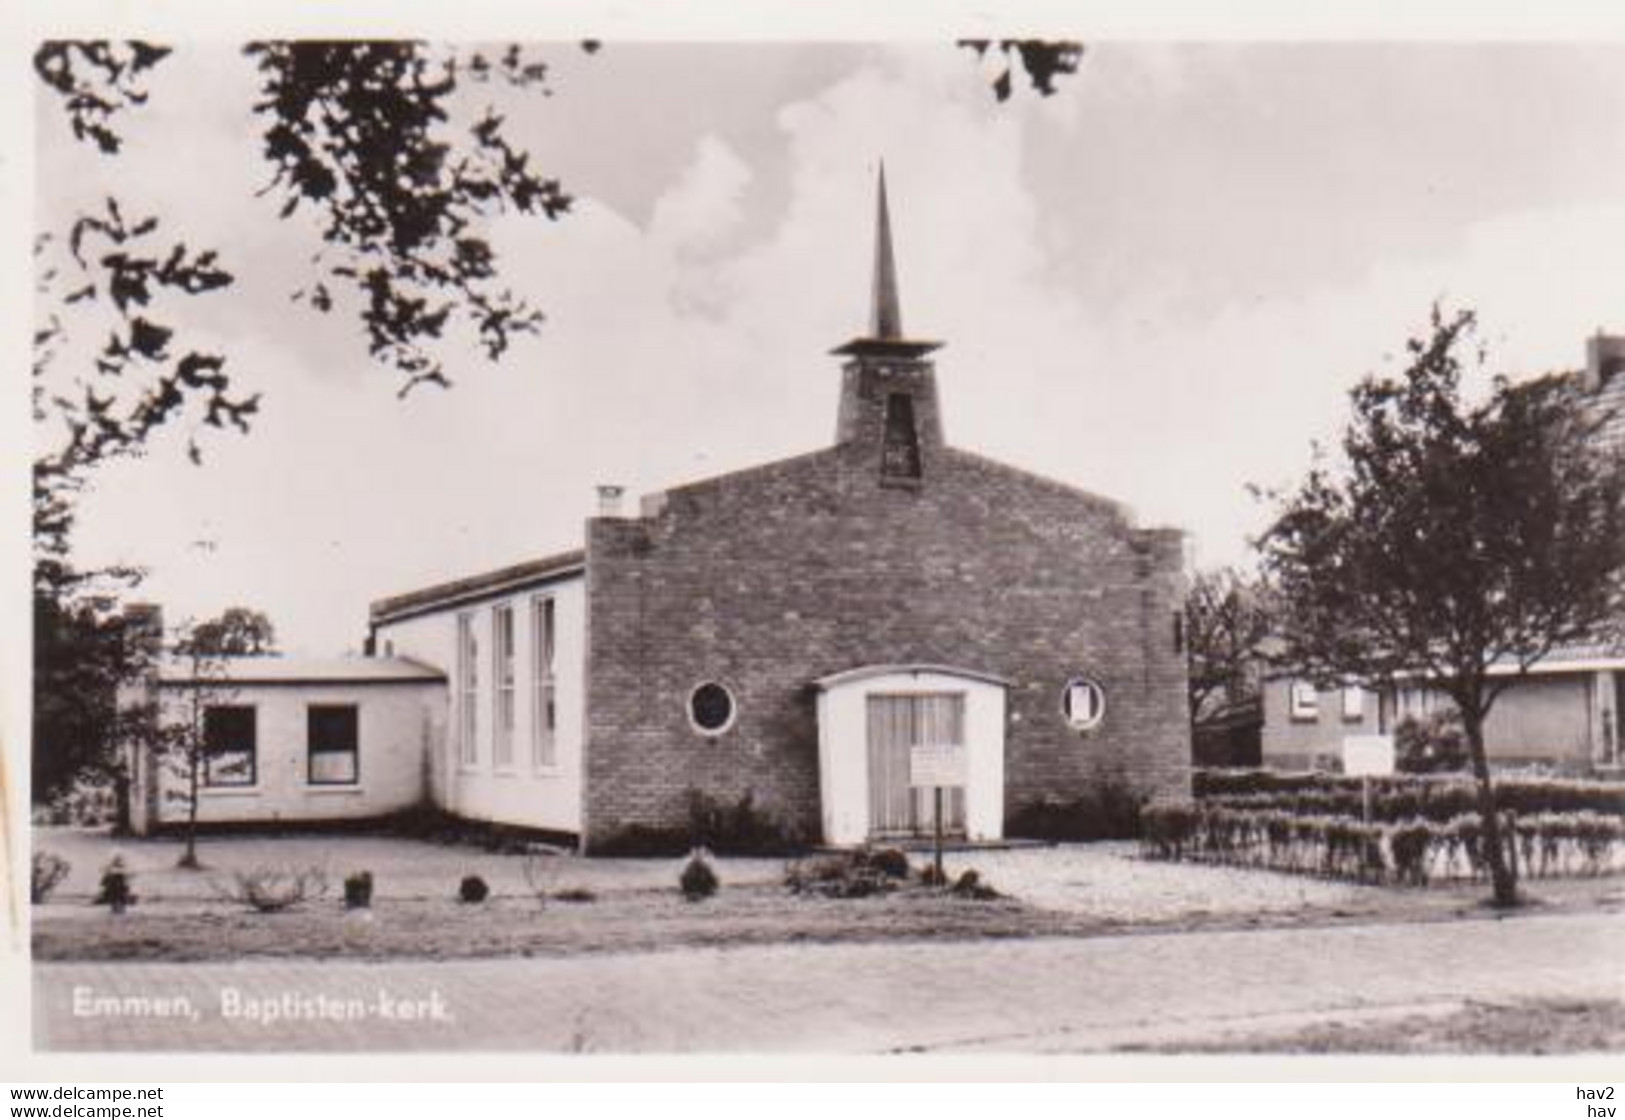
x=560, y=565
x=301, y=670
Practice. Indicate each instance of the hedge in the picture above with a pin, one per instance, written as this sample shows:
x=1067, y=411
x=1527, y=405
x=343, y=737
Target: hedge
x=1431, y=798
x=1413, y=851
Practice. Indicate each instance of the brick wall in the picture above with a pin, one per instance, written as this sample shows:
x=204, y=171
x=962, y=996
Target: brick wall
x=769, y=578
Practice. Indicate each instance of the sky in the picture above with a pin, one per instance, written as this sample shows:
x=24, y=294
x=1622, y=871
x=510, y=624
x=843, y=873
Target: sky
x=1157, y=285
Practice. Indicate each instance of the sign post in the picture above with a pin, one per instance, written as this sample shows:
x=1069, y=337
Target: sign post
x=1368, y=756
x=937, y=766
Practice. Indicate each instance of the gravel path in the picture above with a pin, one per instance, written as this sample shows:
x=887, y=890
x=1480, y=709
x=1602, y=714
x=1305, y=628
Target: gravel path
x=1109, y=880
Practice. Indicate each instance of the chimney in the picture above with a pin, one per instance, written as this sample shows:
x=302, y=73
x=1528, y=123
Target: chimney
x=1605, y=357
x=609, y=500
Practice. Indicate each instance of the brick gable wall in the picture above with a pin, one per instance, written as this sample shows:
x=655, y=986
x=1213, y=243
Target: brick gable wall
x=770, y=578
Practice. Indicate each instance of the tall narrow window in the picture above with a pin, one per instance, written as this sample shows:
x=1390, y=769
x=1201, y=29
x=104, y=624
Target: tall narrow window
x=468, y=687
x=1305, y=701
x=900, y=446
x=333, y=741
x=502, y=677
x=1353, y=702
x=544, y=720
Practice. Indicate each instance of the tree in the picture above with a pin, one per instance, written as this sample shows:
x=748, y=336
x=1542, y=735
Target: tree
x=1225, y=621
x=188, y=747
x=80, y=659
x=1461, y=543
x=238, y=632
x=364, y=134
x=1043, y=60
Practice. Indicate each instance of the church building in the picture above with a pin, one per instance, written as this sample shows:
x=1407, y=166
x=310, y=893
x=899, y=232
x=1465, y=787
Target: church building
x=795, y=633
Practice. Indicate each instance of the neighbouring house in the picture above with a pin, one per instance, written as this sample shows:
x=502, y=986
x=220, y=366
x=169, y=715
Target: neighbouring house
x=1564, y=716
x=785, y=635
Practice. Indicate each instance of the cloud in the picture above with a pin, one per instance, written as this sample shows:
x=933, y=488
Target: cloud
x=696, y=342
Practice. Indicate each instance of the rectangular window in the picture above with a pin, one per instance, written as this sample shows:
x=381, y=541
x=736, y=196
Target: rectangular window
x=468, y=687
x=229, y=747
x=1353, y=703
x=334, y=744
x=544, y=700
x=502, y=678
x=1305, y=701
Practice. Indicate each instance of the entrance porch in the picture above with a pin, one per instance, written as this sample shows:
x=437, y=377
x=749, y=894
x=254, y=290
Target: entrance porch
x=870, y=720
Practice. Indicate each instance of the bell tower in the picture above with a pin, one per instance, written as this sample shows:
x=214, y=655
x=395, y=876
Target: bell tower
x=888, y=385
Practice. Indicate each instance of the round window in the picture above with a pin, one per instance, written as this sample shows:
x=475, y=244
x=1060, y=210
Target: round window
x=711, y=708
x=1083, y=703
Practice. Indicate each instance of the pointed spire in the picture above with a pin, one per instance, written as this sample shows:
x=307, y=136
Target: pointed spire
x=885, y=311
x=886, y=314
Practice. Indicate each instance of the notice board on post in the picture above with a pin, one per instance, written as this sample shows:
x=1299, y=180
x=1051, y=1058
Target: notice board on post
x=939, y=764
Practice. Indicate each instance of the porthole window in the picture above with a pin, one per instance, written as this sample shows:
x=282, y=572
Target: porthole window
x=1083, y=703
x=711, y=708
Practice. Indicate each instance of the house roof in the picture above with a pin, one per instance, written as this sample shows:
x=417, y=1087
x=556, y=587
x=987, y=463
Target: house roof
x=1576, y=657
x=561, y=565
x=299, y=670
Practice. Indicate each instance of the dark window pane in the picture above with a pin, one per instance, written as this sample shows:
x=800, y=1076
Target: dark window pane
x=712, y=707
x=228, y=746
x=900, y=446
x=333, y=744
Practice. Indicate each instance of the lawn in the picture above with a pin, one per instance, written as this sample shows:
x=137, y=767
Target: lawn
x=630, y=905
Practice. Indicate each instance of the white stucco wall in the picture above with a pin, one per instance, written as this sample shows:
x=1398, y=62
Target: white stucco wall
x=843, y=750
x=522, y=794
x=396, y=722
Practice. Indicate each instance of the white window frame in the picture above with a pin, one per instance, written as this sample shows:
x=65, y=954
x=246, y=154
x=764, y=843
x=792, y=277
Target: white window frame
x=1353, y=703
x=733, y=709
x=353, y=750
x=468, y=688
x=1096, y=694
x=503, y=681
x=1303, y=701
x=544, y=649
x=207, y=779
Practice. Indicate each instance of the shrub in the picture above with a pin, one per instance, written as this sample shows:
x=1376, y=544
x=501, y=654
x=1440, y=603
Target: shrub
x=472, y=889
x=698, y=881
x=1109, y=811
x=1433, y=745
x=270, y=889
x=1167, y=828
x=970, y=885
x=1437, y=798
x=87, y=804
x=737, y=828
x=46, y=872
x=358, y=891
x=1409, y=852
x=115, y=892
x=642, y=841
x=1409, y=845
x=856, y=874
x=931, y=877
x=890, y=862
